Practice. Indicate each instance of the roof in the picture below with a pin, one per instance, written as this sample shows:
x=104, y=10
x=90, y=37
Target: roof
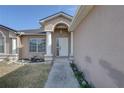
x=56, y=15
x=7, y=28
x=32, y=32
x=81, y=13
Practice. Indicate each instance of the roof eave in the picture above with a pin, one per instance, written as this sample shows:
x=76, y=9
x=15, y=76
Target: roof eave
x=33, y=34
x=26, y=34
x=55, y=15
x=7, y=28
x=81, y=13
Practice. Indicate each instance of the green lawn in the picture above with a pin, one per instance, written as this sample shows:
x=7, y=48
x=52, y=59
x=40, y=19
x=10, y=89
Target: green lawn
x=23, y=76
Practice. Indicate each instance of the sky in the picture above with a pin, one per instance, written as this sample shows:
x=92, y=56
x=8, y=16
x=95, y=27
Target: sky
x=27, y=17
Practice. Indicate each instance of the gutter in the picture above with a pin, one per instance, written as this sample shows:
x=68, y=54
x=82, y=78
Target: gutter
x=81, y=13
x=26, y=34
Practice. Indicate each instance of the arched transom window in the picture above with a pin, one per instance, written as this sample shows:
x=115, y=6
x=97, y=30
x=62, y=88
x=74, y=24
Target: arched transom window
x=61, y=26
x=2, y=43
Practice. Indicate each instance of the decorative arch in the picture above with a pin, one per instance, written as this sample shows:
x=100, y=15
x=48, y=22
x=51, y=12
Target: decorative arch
x=60, y=33
x=2, y=42
x=61, y=25
x=61, y=22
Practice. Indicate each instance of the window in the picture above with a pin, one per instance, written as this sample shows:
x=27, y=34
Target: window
x=1, y=43
x=33, y=45
x=37, y=45
x=41, y=45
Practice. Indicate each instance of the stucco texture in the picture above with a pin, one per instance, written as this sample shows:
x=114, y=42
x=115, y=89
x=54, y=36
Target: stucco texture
x=8, y=40
x=99, y=46
x=50, y=24
x=24, y=47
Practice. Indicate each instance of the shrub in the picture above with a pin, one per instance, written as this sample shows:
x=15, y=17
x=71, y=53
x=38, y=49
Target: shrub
x=80, y=77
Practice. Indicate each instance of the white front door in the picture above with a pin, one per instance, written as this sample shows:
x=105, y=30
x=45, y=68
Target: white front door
x=62, y=46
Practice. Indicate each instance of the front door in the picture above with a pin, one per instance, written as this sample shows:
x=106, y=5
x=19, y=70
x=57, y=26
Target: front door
x=62, y=46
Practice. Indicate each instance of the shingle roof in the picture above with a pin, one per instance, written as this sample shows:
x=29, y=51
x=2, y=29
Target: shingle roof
x=5, y=27
x=61, y=13
x=33, y=31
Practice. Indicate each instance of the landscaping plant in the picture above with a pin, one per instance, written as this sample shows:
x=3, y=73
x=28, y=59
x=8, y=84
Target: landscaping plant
x=80, y=77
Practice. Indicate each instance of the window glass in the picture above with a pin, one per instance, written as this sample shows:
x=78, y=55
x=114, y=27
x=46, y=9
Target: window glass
x=1, y=43
x=41, y=45
x=33, y=45
x=38, y=45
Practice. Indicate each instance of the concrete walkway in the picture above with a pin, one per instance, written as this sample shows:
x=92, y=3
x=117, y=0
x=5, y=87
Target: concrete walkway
x=61, y=76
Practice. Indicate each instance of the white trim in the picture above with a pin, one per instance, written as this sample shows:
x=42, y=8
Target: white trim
x=81, y=13
x=51, y=17
x=34, y=34
x=63, y=46
x=9, y=54
x=4, y=42
x=36, y=45
x=71, y=52
x=49, y=44
x=14, y=46
x=63, y=22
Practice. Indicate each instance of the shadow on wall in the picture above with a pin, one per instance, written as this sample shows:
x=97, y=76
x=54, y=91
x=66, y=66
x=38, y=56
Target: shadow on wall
x=86, y=71
x=88, y=59
x=116, y=75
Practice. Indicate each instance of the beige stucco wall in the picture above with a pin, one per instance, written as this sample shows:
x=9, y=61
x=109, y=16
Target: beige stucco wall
x=99, y=46
x=8, y=45
x=49, y=25
x=8, y=39
x=24, y=49
x=6, y=33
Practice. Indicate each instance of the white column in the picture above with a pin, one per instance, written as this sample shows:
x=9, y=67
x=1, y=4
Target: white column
x=14, y=45
x=71, y=54
x=48, y=44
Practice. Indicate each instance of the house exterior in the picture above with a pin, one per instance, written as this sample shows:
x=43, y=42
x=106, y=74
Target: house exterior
x=99, y=44
x=93, y=39
x=51, y=40
x=8, y=43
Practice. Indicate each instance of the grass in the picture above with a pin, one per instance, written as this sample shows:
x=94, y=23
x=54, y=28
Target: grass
x=23, y=76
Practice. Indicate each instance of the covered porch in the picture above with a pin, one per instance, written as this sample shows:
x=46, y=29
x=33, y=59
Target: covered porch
x=59, y=43
x=59, y=40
